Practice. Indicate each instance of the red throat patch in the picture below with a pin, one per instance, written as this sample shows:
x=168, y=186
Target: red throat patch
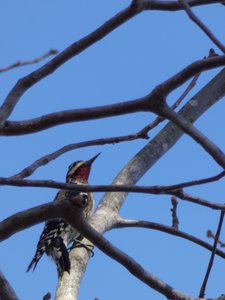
x=82, y=173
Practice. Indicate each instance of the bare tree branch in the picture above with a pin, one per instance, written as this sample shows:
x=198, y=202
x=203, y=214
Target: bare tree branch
x=173, y=5
x=146, y=103
x=210, y=234
x=160, y=119
x=197, y=200
x=203, y=287
x=128, y=262
x=149, y=103
x=210, y=94
x=29, y=217
x=175, y=220
x=193, y=132
x=191, y=70
x=32, y=216
x=142, y=134
x=156, y=190
x=154, y=102
x=107, y=211
x=73, y=216
x=201, y=25
x=6, y=291
x=123, y=223
x=29, y=62
x=28, y=81
x=198, y=181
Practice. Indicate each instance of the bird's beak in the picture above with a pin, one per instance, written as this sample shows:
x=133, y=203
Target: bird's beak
x=90, y=161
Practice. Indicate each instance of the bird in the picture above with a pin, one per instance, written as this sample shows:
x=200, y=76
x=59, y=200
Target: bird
x=58, y=234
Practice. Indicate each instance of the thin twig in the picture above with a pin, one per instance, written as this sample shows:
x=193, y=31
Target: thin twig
x=123, y=223
x=197, y=200
x=197, y=182
x=29, y=62
x=211, y=235
x=200, y=24
x=186, y=91
x=203, y=287
x=160, y=119
x=142, y=134
x=175, y=220
x=51, y=156
x=167, y=5
x=192, y=83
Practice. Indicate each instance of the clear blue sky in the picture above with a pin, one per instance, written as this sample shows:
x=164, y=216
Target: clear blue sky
x=125, y=65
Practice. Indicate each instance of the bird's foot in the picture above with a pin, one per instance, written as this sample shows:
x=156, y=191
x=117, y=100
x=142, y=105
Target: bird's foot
x=79, y=244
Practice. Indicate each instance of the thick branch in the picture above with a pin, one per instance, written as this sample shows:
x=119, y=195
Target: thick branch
x=73, y=216
x=193, y=132
x=143, y=161
x=128, y=262
x=6, y=291
x=68, y=116
x=27, y=218
x=151, y=153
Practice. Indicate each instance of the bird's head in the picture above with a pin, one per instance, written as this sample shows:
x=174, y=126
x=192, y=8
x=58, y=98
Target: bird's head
x=79, y=170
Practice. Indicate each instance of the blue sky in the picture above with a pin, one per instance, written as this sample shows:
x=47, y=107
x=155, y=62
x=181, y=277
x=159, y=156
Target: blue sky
x=125, y=65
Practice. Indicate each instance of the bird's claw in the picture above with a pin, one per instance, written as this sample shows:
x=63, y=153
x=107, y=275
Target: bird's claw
x=79, y=244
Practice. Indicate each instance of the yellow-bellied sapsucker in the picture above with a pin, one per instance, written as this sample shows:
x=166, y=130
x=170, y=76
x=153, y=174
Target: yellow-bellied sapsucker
x=58, y=234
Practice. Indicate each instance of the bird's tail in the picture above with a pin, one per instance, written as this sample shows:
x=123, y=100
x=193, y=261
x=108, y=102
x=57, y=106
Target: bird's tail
x=60, y=255
x=35, y=260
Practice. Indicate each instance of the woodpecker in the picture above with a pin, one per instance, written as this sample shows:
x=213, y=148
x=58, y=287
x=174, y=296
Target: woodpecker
x=58, y=234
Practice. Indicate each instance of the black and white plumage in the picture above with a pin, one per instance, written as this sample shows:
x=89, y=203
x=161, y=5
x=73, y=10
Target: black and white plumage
x=58, y=234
